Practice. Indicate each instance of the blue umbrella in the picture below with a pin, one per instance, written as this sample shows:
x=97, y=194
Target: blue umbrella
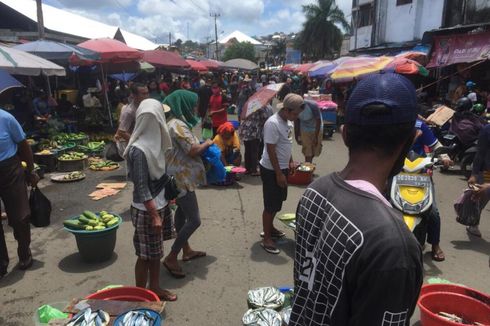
x=51, y=50
x=124, y=77
x=7, y=81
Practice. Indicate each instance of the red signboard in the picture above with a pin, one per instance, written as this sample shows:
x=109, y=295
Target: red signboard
x=459, y=48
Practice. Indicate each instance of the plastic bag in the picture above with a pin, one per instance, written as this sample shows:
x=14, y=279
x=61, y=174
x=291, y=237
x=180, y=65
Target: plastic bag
x=215, y=170
x=112, y=153
x=265, y=297
x=40, y=208
x=207, y=133
x=467, y=211
x=261, y=317
x=47, y=313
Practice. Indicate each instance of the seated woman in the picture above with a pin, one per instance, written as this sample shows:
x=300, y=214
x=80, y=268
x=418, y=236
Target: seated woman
x=227, y=140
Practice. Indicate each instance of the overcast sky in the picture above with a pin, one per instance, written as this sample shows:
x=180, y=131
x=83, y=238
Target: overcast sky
x=154, y=19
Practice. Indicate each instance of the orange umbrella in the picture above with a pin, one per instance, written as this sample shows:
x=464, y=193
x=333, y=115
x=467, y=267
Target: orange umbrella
x=418, y=56
x=407, y=67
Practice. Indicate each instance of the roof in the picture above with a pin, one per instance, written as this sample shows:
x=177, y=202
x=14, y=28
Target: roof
x=240, y=37
x=63, y=21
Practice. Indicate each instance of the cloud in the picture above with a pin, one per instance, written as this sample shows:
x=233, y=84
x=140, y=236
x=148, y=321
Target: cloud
x=91, y=4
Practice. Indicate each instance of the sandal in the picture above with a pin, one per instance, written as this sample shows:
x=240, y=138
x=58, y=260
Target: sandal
x=166, y=295
x=194, y=255
x=270, y=249
x=275, y=235
x=438, y=255
x=177, y=273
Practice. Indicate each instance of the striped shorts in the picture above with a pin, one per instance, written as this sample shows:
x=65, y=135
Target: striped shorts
x=147, y=243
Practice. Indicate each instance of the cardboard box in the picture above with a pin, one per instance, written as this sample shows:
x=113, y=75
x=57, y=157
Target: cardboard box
x=442, y=115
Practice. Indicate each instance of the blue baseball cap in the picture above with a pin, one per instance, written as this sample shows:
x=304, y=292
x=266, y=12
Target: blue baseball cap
x=382, y=99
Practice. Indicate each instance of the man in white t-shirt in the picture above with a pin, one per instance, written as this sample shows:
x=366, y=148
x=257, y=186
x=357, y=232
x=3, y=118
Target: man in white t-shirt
x=275, y=164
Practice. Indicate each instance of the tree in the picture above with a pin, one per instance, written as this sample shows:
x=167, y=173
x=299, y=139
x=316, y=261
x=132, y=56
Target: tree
x=321, y=37
x=178, y=44
x=243, y=50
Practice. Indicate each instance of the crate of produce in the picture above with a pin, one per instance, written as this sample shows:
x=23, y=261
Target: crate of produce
x=95, y=234
x=72, y=161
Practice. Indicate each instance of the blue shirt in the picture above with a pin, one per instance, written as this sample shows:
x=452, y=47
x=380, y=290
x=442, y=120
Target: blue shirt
x=41, y=107
x=11, y=134
x=426, y=139
x=309, y=116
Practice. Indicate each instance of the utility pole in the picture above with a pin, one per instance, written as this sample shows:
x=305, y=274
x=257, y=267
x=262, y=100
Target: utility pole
x=215, y=16
x=187, y=30
x=169, y=39
x=40, y=20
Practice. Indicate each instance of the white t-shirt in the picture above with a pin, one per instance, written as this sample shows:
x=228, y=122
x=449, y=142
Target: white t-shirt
x=279, y=132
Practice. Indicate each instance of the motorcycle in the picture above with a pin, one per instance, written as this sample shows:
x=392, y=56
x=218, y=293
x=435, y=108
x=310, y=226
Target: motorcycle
x=459, y=153
x=412, y=192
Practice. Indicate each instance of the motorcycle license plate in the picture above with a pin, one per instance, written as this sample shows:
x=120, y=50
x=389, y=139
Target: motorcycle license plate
x=413, y=180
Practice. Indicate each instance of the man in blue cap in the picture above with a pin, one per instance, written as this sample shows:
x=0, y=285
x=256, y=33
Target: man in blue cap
x=356, y=262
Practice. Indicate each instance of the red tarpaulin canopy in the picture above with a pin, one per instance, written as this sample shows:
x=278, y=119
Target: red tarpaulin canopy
x=459, y=48
x=111, y=50
x=197, y=66
x=165, y=59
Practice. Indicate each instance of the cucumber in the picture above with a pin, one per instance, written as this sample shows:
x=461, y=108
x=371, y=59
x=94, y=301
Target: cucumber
x=83, y=219
x=89, y=228
x=98, y=228
x=113, y=222
x=90, y=215
x=73, y=224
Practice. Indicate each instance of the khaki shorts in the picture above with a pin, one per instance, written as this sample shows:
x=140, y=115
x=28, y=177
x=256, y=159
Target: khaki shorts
x=307, y=140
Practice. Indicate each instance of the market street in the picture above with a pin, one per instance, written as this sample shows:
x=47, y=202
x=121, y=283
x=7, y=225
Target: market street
x=215, y=289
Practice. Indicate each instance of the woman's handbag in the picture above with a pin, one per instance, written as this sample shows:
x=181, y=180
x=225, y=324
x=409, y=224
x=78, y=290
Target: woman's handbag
x=171, y=189
x=467, y=210
x=112, y=153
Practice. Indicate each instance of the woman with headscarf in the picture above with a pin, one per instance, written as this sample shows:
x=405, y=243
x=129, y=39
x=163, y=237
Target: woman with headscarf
x=185, y=164
x=150, y=214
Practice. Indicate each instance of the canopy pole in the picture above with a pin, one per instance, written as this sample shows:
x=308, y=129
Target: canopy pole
x=106, y=96
x=49, y=86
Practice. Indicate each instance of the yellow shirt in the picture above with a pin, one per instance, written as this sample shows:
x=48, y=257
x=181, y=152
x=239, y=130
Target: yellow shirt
x=231, y=144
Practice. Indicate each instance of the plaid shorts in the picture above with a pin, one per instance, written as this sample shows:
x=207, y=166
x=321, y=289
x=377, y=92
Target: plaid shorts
x=148, y=244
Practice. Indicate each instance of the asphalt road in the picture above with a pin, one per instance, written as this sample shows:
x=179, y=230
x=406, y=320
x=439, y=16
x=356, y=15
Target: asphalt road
x=215, y=289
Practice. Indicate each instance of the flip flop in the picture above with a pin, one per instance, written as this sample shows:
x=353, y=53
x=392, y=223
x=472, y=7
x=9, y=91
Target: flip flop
x=276, y=235
x=196, y=254
x=270, y=249
x=438, y=256
x=175, y=273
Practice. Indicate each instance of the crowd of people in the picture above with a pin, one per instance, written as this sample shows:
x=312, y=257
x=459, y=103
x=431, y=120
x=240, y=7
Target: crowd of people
x=353, y=263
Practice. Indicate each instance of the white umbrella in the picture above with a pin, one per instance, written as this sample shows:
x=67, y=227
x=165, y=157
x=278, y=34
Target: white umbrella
x=242, y=64
x=18, y=62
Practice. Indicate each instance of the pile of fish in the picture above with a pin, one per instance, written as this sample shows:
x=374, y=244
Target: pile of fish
x=137, y=318
x=87, y=317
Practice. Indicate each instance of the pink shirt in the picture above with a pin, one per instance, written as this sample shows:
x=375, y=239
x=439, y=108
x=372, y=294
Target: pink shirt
x=369, y=188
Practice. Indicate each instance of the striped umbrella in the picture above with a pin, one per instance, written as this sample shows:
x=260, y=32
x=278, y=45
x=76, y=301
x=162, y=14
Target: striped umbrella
x=418, y=56
x=359, y=67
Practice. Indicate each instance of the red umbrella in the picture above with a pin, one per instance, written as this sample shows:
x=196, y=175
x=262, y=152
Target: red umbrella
x=211, y=64
x=304, y=68
x=260, y=99
x=197, y=66
x=112, y=50
x=165, y=59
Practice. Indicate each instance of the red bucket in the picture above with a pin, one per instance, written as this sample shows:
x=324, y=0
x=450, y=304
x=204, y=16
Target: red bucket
x=126, y=293
x=453, y=288
x=300, y=178
x=460, y=305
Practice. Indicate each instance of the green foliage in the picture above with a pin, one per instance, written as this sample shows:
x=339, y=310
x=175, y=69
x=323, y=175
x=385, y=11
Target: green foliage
x=321, y=37
x=243, y=50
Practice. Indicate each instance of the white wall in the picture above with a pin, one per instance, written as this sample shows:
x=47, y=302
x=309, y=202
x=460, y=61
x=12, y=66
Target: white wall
x=410, y=21
x=363, y=38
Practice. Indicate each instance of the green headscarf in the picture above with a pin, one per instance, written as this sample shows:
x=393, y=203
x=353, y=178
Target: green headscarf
x=182, y=104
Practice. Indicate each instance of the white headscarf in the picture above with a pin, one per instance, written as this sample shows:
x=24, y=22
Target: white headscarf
x=151, y=136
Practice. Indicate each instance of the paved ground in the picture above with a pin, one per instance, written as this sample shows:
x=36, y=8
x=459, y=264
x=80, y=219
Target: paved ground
x=214, y=292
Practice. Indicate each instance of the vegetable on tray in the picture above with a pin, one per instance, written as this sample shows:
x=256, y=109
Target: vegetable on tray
x=90, y=221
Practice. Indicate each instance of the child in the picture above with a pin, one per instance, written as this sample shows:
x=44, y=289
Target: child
x=227, y=140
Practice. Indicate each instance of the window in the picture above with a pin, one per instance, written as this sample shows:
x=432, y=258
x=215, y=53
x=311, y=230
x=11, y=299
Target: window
x=364, y=16
x=403, y=2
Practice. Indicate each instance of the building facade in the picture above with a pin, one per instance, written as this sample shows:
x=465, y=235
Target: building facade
x=378, y=23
